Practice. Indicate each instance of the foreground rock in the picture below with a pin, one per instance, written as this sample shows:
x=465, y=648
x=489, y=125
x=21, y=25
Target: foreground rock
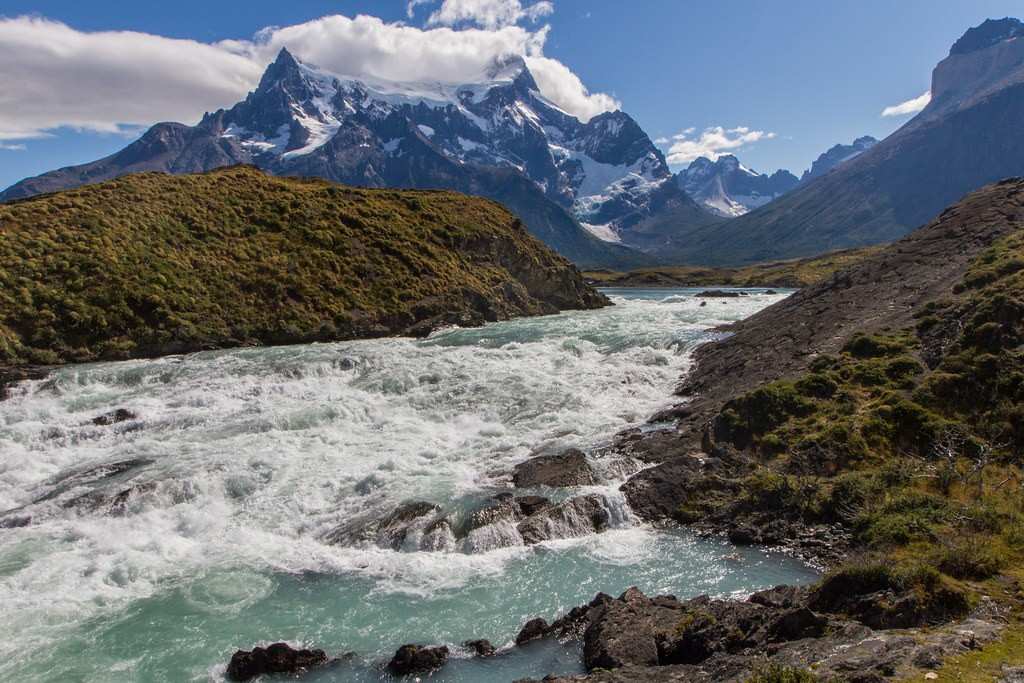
x=411, y=659
x=569, y=468
x=279, y=658
x=635, y=638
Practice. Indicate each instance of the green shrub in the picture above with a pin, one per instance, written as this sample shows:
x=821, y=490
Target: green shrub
x=780, y=673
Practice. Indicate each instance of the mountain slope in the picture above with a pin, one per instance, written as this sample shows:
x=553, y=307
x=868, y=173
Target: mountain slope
x=727, y=188
x=497, y=136
x=149, y=264
x=968, y=136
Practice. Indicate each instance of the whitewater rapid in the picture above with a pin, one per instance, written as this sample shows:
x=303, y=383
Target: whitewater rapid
x=245, y=459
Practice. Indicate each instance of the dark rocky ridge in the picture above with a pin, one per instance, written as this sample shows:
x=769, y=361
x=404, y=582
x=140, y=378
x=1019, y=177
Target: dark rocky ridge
x=479, y=143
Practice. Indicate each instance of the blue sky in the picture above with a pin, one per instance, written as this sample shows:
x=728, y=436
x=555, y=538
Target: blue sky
x=799, y=75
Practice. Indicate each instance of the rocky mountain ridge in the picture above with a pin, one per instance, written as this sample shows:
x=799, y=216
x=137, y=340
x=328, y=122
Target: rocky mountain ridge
x=728, y=188
x=965, y=138
x=498, y=138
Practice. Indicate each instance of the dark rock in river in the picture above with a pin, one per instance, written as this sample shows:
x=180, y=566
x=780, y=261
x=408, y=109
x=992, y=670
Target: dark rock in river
x=530, y=505
x=279, y=658
x=113, y=417
x=481, y=647
x=569, y=468
x=717, y=294
x=391, y=531
x=410, y=659
x=532, y=630
x=627, y=630
x=571, y=518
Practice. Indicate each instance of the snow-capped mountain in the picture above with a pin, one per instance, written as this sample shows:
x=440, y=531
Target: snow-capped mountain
x=836, y=155
x=728, y=188
x=497, y=137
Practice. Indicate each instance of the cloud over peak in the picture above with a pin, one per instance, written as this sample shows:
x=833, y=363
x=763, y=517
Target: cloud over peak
x=56, y=76
x=488, y=14
x=712, y=143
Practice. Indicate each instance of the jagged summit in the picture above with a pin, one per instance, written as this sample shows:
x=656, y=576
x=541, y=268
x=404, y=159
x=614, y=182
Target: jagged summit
x=836, y=155
x=498, y=137
x=987, y=34
x=728, y=188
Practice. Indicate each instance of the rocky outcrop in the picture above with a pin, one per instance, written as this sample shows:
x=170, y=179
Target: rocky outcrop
x=413, y=659
x=569, y=468
x=404, y=525
x=579, y=516
x=636, y=638
x=279, y=658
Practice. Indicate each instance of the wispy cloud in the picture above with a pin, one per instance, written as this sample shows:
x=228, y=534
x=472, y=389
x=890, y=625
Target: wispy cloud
x=488, y=14
x=17, y=147
x=909, y=107
x=712, y=142
x=56, y=76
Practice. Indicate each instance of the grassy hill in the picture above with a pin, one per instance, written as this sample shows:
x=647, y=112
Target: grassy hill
x=150, y=264
x=793, y=273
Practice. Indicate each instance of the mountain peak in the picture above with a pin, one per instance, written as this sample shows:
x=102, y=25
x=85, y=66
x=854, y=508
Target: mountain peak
x=283, y=69
x=511, y=68
x=987, y=34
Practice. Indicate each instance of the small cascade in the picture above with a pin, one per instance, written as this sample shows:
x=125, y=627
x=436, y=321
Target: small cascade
x=500, y=534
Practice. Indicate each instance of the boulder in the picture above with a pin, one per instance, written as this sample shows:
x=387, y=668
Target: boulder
x=532, y=630
x=113, y=417
x=390, y=531
x=279, y=658
x=481, y=647
x=569, y=468
x=579, y=516
x=411, y=659
x=530, y=505
x=797, y=623
x=627, y=630
x=717, y=294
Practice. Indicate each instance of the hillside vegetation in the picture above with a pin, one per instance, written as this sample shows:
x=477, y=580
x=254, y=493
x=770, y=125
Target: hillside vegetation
x=876, y=419
x=149, y=264
x=794, y=273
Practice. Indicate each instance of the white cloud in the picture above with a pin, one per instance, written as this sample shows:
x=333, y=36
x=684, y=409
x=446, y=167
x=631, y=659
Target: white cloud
x=712, y=143
x=411, y=5
x=55, y=75
x=909, y=107
x=489, y=14
x=18, y=147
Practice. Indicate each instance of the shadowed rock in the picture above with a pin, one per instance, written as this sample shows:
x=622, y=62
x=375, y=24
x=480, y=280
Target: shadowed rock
x=532, y=630
x=481, y=647
x=113, y=417
x=569, y=468
x=410, y=659
x=279, y=658
x=390, y=531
